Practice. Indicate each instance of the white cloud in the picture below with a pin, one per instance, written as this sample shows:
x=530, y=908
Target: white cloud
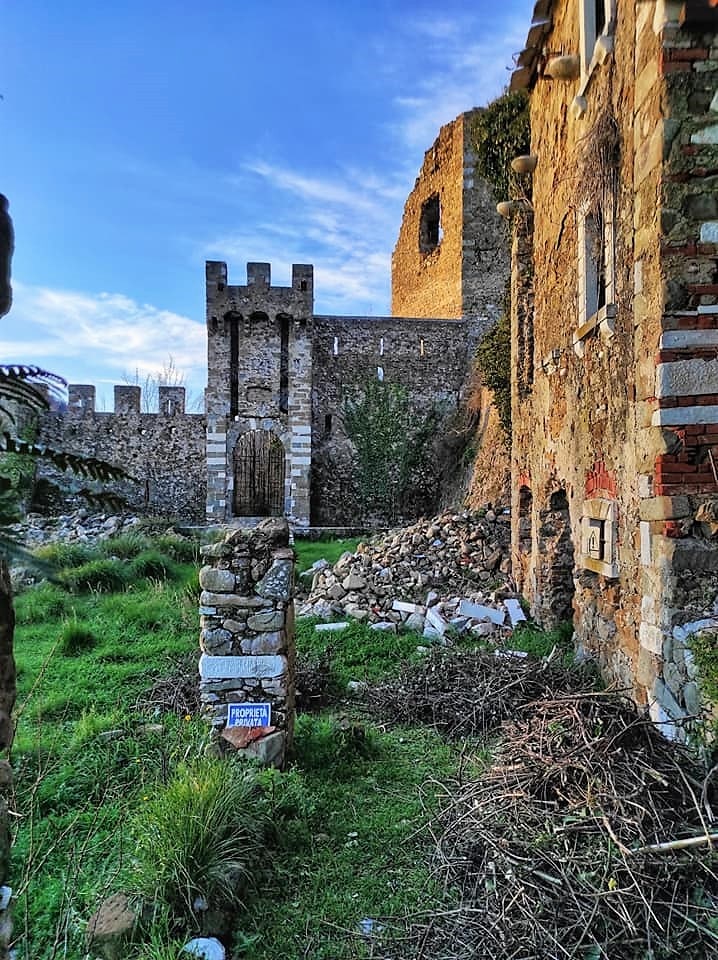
x=466, y=65
x=103, y=336
x=344, y=223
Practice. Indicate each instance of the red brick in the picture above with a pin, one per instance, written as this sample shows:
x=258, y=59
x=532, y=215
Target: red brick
x=680, y=250
x=675, y=67
x=703, y=287
x=685, y=54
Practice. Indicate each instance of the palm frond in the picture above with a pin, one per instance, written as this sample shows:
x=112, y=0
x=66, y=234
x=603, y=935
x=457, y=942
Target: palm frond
x=89, y=467
x=29, y=385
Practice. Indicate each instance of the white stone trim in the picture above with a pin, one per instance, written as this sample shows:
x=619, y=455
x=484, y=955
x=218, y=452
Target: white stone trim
x=680, y=339
x=682, y=416
x=686, y=378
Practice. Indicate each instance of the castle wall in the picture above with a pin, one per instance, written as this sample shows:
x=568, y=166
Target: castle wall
x=461, y=268
x=430, y=358
x=614, y=420
x=162, y=452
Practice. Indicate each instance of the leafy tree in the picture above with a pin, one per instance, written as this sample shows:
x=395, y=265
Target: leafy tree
x=391, y=443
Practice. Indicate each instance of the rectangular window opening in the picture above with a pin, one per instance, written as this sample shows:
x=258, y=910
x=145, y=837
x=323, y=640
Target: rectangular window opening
x=430, y=224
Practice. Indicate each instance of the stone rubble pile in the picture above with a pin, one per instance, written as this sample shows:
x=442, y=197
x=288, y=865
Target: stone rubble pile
x=78, y=527
x=449, y=574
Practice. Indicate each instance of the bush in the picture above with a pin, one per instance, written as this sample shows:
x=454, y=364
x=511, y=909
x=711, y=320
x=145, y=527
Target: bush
x=200, y=836
x=153, y=565
x=104, y=575
x=76, y=638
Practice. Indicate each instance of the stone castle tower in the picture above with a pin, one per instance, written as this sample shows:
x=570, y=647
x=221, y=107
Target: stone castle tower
x=258, y=399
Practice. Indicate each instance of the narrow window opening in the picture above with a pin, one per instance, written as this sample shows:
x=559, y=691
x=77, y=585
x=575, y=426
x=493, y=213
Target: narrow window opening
x=234, y=321
x=336, y=347
x=284, y=365
x=327, y=423
x=422, y=348
x=303, y=285
x=430, y=225
x=381, y=346
x=380, y=374
x=214, y=324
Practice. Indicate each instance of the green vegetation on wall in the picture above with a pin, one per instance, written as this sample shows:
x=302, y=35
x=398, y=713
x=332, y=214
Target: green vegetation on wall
x=493, y=359
x=499, y=133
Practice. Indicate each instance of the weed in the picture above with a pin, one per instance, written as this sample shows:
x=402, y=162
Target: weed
x=76, y=637
x=61, y=555
x=532, y=639
x=199, y=837
x=180, y=549
x=332, y=744
x=357, y=653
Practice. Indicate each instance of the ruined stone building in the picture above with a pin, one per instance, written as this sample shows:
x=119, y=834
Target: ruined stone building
x=615, y=337
x=272, y=439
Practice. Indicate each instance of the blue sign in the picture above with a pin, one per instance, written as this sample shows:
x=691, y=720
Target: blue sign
x=249, y=714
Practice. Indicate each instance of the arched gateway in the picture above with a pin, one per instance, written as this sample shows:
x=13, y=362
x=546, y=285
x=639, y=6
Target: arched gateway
x=259, y=475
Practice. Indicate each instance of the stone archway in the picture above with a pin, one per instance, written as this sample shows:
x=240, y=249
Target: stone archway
x=258, y=475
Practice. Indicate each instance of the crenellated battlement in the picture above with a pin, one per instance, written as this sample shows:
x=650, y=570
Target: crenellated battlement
x=127, y=401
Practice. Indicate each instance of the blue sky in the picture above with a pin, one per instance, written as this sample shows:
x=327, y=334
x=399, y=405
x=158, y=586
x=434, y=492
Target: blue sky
x=142, y=137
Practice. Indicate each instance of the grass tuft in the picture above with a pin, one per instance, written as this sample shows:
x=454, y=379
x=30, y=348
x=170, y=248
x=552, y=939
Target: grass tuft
x=75, y=638
x=153, y=565
x=101, y=575
x=199, y=836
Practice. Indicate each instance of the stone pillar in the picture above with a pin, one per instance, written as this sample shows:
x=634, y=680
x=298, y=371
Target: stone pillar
x=247, y=640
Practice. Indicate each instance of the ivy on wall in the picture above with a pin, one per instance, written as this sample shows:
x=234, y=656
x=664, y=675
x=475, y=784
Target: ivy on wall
x=500, y=132
x=493, y=360
x=393, y=449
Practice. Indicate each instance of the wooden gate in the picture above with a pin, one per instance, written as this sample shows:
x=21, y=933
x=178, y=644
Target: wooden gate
x=259, y=475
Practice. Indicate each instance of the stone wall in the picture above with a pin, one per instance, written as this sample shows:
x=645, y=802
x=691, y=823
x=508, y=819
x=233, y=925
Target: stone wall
x=247, y=663
x=430, y=358
x=615, y=405
x=461, y=269
x=162, y=452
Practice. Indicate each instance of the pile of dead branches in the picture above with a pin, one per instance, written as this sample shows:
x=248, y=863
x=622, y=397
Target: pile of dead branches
x=177, y=691
x=588, y=837
x=315, y=683
x=466, y=693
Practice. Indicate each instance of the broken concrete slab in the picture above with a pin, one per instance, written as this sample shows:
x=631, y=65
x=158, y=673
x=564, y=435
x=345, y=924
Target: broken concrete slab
x=515, y=612
x=476, y=611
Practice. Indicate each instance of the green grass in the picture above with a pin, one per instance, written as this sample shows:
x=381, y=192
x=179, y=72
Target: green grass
x=349, y=841
x=358, y=653
x=309, y=551
x=96, y=787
